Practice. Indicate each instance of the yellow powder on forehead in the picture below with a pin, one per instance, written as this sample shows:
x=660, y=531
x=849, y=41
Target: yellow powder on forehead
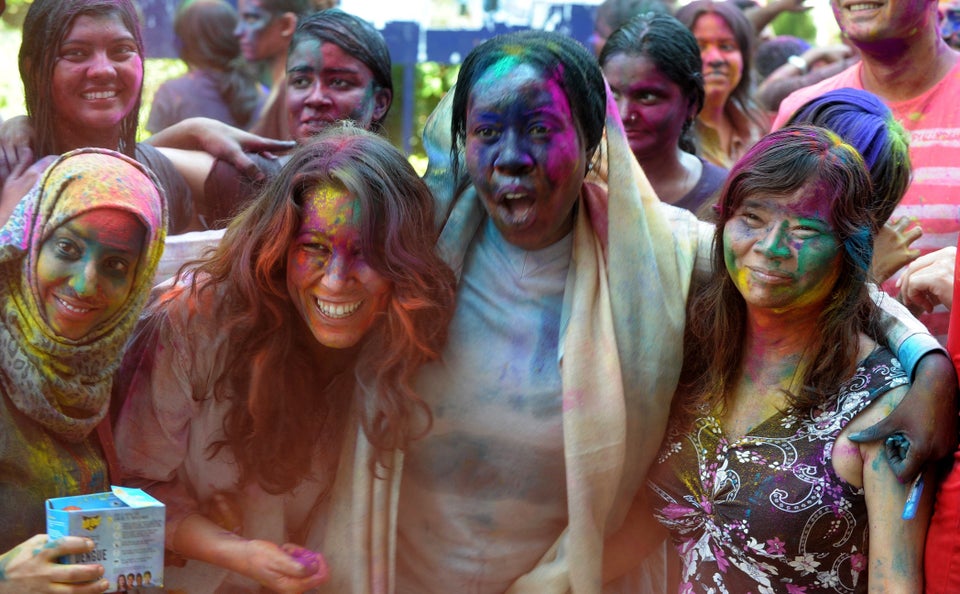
x=323, y=199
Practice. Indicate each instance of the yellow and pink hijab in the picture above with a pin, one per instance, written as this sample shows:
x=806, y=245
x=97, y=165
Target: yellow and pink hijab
x=59, y=383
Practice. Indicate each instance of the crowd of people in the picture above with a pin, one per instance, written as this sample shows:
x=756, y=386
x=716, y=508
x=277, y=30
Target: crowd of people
x=625, y=334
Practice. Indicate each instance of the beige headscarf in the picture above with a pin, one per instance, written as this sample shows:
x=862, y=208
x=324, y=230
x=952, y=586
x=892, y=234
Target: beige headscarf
x=64, y=384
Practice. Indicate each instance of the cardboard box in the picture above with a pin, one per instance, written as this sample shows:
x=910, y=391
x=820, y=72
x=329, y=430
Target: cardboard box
x=127, y=526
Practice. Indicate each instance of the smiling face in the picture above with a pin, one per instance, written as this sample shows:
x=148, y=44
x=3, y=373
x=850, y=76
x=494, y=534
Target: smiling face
x=722, y=60
x=524, y=153
x=86, y=269
x=96, y=82
x=338, y=294
x=781, y=252
x=326, y=84
x=883, y=20
x=652, y=106
x=260, y=32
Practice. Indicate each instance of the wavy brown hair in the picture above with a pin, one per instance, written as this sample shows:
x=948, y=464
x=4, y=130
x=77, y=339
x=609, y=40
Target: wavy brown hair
x=265, y=428
x=780, y=164
x=46, y=26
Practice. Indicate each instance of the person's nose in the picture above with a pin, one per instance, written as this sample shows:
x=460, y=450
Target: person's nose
x=513, y=157
x=712, y=56
x=337, y=272
x=317, y=95
x=101, y=66
x=84, y=281
x=775, y=243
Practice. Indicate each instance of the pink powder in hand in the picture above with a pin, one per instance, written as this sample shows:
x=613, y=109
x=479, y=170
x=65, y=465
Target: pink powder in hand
x=306, y=558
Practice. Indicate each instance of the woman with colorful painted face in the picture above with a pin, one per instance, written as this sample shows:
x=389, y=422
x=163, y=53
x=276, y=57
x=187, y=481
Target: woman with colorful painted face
x=730, y=121
x=758, y=481
x=653, y=67
x=301, y=332
x=338, y=69
x=76, y=260
x=264, y=31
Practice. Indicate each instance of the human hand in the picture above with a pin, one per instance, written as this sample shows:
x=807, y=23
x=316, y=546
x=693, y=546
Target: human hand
x=23, y=177
x=923, y=427
x=222, y=141
x=822, y=55
x=31, y=568
x=288, y=569
x=928, y=280
x=891, y=248
x=16, y=136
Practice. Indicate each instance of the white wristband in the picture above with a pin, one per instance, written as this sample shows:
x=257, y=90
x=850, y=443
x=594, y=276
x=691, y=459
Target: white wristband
x=799, y=63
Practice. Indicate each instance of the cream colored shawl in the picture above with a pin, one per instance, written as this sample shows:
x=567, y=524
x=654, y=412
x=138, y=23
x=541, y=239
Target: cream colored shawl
x=624, y=307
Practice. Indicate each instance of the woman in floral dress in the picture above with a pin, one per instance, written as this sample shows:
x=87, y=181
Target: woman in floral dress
x=757, y=481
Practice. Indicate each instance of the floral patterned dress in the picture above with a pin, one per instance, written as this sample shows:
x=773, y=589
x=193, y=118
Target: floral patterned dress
x=767, y=513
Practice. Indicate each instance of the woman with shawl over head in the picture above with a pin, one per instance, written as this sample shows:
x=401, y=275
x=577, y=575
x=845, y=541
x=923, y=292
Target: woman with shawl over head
x=76, y=264
x=301, y=332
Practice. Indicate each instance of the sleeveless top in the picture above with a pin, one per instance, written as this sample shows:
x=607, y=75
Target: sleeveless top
x=767, y=513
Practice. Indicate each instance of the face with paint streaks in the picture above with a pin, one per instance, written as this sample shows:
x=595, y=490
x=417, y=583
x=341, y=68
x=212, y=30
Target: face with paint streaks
x=339, y=296
x=722, y=60
x=260, y=32
x=781, y=252
x=86, y=269
x=652, y=106
x=325, y=84
x=866, y=22
x=524, y=153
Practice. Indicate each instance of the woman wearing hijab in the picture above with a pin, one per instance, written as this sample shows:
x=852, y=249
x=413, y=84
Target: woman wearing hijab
x=77, y=258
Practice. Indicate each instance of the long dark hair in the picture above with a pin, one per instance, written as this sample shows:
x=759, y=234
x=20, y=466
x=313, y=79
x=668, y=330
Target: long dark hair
x=47, y=24
x=205, y=30
x=273, y=408
x=743, y=34
x=778, y=165
x=673, y=50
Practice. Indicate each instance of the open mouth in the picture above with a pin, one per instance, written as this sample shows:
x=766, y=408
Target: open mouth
x=337, y=311
x=516, y=208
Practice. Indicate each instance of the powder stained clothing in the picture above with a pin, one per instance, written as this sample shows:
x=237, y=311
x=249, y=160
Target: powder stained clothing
x=195, y=94
x=483, y=494
x=169, y=420
x=706, y=191
x=748, y=128
x=227, y=190
x=178, y=195
x=767, y=513
x=56, y=390
x=933, y=198
x=36, y=465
